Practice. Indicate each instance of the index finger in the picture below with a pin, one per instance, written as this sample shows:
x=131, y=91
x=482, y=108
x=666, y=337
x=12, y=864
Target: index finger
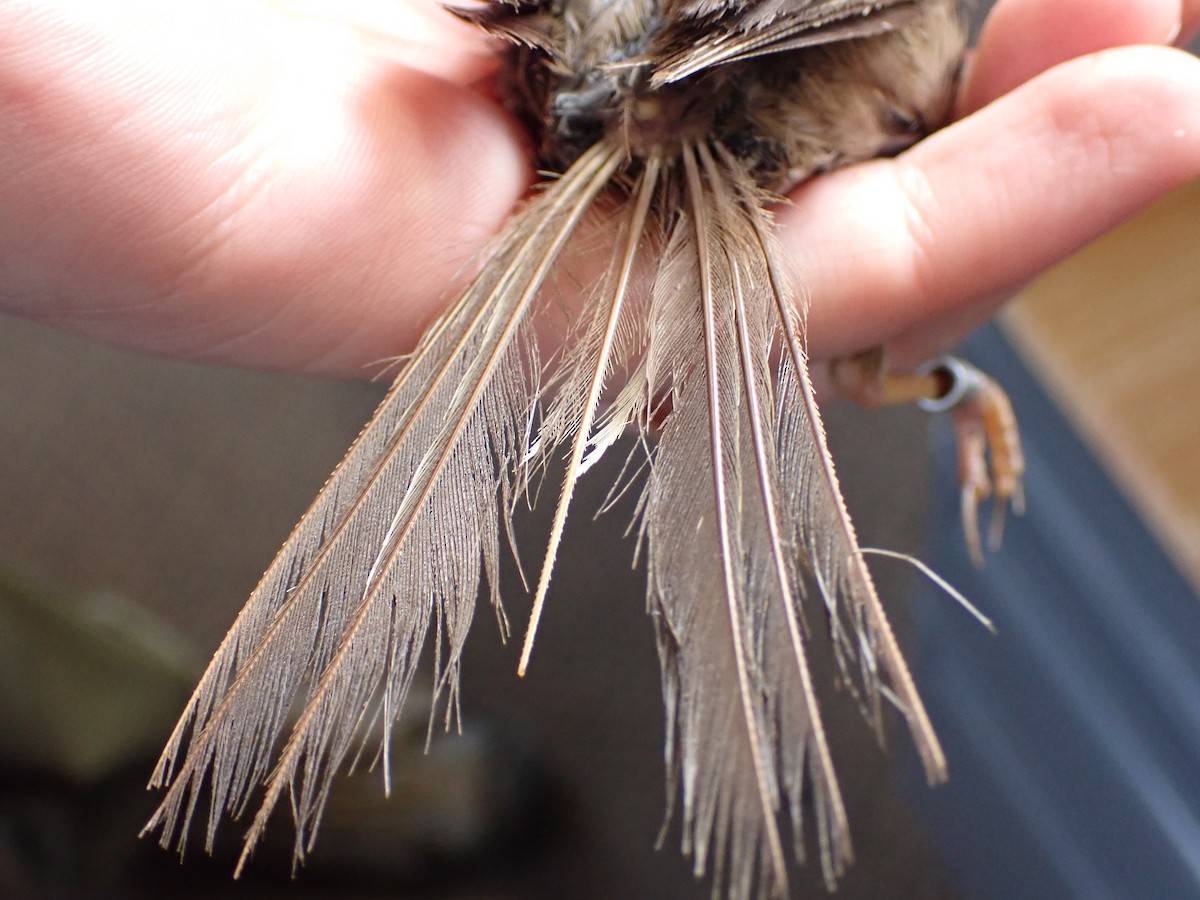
x=984, y=205
x=1022, y=38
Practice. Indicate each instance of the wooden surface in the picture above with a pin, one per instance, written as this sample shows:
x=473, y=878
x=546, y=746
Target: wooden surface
x=1115, y=334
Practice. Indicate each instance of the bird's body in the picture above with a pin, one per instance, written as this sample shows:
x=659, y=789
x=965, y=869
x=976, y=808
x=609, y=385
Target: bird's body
x=863, y=79
x=677, y=123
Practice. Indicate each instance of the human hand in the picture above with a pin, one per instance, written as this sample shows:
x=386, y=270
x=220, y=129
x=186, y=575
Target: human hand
x=234, y=181
x=246, y=181
x=1065, y=129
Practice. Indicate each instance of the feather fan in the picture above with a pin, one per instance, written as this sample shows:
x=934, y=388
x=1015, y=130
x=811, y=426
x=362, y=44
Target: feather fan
x=694, y=115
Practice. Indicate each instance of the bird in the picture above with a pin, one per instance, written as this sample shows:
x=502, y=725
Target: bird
x=666, y=132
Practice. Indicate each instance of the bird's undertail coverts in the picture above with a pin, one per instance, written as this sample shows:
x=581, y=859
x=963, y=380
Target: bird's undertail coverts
x=691, y=332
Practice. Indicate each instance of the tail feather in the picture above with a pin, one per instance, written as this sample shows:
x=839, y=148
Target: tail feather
x=824, y=532
x=592, y=369
x=741, y=519
x=734, y=551
x=400, y=537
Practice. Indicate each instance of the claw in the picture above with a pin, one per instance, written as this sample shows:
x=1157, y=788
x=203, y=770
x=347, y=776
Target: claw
x=990, y=460
x=985, y=429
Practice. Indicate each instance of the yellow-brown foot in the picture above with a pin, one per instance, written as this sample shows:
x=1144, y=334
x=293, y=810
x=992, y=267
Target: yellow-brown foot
x=990, y=460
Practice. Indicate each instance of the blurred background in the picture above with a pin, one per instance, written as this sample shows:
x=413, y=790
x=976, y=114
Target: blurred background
x=141, y=499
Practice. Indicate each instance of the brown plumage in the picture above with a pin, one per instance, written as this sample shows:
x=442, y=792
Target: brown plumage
x=688, y=118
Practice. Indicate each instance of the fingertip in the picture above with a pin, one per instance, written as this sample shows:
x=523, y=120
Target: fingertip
x=1022, y=38
x=449, y=183
x=411, y=199
x=1138, y=108
x=1055, y=164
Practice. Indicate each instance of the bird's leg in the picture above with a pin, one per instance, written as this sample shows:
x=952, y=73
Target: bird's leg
x=990, y=460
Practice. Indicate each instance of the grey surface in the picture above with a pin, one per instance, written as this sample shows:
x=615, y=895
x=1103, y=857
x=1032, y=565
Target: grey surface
x=1073, y=734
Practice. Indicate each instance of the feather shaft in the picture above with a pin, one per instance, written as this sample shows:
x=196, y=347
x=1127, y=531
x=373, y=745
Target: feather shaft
x=647, y=185
x=838, y=838
x=597, y=166
x=721, y=512
x=928, y=746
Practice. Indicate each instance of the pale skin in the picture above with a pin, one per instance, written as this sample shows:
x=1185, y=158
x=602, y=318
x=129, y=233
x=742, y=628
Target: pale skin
x=280, y=185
